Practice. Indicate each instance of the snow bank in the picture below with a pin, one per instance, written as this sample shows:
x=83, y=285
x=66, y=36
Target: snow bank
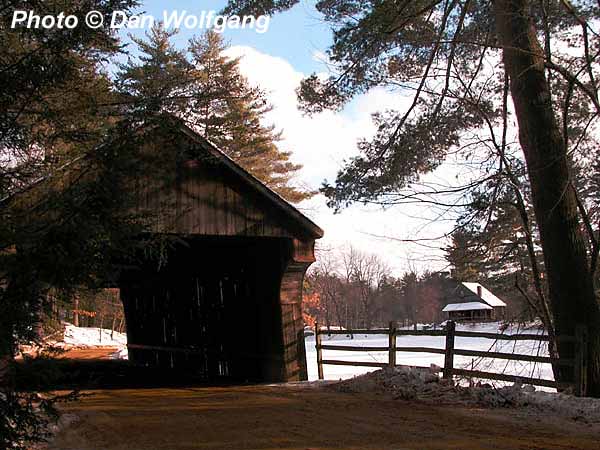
x=122, y=353
x=93, y=337
x=401, y=382
x=583, y=409
x=424, y=385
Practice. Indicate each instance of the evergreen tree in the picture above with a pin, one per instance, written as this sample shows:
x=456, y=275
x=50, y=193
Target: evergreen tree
x=64, y=159
x=409, y=295
x=588, y=184
x=464, y=257
x=158, y=83
x=228, y=111
x=489, y=238
x=210, y=94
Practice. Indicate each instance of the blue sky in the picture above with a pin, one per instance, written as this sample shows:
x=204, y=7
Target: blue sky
x=294, y=35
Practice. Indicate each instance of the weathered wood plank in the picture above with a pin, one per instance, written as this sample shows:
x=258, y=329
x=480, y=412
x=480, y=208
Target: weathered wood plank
x=319, y=347
x=581, y=363
x=449, y=349
x=392, y=345
x=503, y=337
x=325, y=331
x=349, y=348
x=333, y=362
x=514, y=357
x=420, y=333
x=162, y=348
x=439, y=351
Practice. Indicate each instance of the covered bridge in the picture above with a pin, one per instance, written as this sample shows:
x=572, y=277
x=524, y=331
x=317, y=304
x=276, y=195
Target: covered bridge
x=226, y=301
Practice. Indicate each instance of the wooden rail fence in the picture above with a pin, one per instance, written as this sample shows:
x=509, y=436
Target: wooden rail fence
x=579, y=363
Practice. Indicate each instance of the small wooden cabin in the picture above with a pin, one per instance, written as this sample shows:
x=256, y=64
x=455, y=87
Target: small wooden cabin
x=471, y=302
x=226, y=299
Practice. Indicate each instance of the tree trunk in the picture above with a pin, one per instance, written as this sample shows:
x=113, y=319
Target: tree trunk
x=6, y=351
x=112, y=326
x=76, y=311
x=569, y=279
x=100, y=328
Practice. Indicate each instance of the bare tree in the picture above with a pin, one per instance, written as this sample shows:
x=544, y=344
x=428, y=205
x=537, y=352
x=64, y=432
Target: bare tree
x=350, y=284
x=442, y=51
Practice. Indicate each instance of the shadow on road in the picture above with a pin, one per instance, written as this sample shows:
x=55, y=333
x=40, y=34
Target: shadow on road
x=45, y=373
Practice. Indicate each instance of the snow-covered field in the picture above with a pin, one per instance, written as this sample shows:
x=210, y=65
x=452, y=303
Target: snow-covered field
x=520, y=368
x=93, y=337
x=83, y=337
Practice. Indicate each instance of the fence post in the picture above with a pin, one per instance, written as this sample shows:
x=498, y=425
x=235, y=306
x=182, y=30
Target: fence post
x=449, y=355
x=581, y=360
x=392, y=345
x=319, y=351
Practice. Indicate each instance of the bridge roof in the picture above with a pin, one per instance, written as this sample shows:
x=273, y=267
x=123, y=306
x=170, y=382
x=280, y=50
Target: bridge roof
x=254, y=183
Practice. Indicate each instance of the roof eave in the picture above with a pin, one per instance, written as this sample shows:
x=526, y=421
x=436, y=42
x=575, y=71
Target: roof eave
x=314, y=230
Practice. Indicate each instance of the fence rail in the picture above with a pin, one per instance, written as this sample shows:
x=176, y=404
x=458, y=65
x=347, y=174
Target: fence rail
x=579, y=363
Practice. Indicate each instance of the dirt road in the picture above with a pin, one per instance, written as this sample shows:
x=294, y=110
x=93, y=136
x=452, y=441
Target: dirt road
x=91, y=353
x=300, y=418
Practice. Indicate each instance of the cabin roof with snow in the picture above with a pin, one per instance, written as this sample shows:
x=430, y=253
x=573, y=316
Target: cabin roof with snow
x=486, y=295
x=469, y=306
x=467, y=292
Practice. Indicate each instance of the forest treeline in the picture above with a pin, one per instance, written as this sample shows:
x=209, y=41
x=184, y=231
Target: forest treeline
x=97, y=308
x=351, y=288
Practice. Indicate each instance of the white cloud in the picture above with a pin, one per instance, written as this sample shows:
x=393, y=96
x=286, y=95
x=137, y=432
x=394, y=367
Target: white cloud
x=321, y=143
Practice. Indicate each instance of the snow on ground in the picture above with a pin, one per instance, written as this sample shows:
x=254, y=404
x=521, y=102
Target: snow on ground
x=121, y=353
x=407, y=383
x=93, y=337
x=81, y=337
x=519, y=368
x=423, y=385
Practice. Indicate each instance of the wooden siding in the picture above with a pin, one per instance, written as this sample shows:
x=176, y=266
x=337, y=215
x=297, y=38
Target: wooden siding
x=202, y=196
x=294, y=355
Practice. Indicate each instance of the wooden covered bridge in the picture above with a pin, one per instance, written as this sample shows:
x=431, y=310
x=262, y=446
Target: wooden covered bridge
x=226, y=301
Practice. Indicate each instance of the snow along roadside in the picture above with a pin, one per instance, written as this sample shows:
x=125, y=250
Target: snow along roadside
x=417, y=384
